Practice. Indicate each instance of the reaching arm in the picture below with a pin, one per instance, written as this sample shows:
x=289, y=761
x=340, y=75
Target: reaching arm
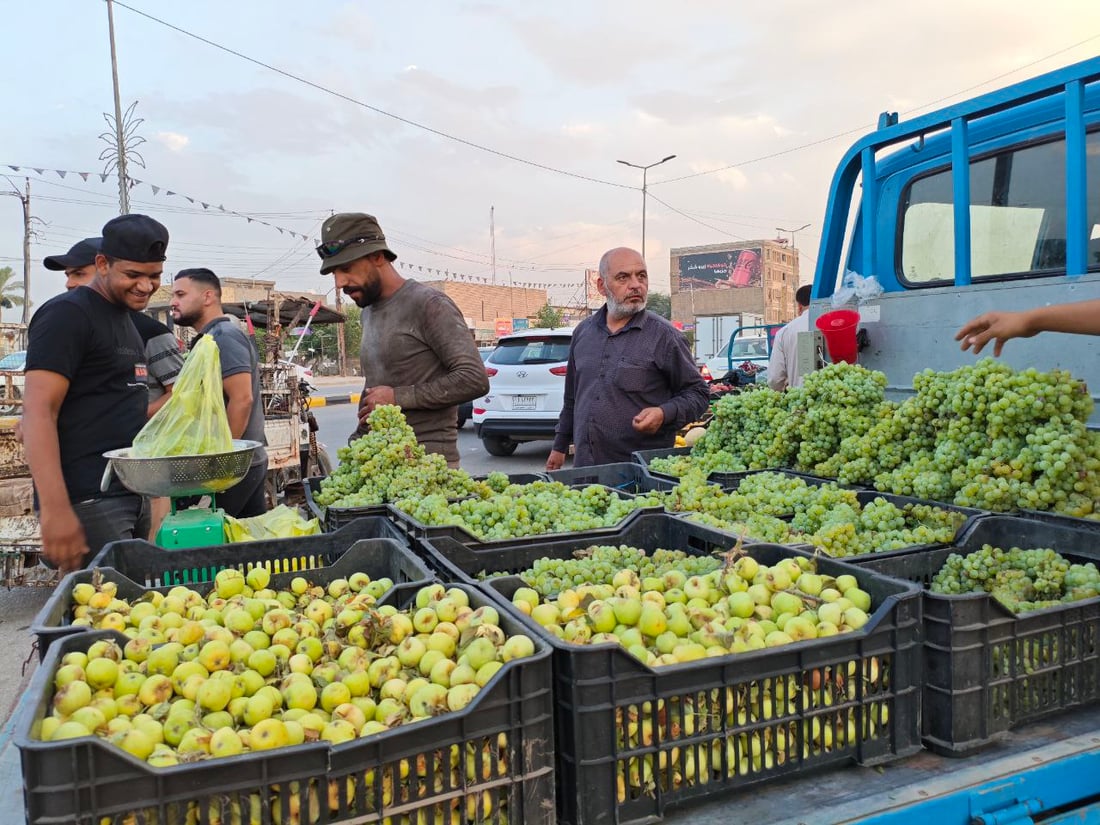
x=238, y=405
x=63, y=541
x=1082, y=317
x=160, y=402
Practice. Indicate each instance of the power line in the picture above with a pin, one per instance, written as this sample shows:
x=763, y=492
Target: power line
x=348, y=98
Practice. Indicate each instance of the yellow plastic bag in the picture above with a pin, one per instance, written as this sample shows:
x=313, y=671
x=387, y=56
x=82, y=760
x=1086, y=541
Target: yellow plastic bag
x=193, y=419
x=281, y=523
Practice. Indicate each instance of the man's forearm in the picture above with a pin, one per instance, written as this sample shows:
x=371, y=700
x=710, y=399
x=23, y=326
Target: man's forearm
x=1082, y=318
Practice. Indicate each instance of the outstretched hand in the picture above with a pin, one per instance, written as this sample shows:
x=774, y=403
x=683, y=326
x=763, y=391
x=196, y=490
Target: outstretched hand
x=993, y=326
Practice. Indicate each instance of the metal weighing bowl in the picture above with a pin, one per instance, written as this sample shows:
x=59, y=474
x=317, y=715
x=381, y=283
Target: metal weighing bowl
x=180, y=475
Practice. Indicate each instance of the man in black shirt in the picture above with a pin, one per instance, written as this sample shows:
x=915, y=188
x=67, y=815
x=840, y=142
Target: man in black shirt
x=86, y=393
x=630, y=382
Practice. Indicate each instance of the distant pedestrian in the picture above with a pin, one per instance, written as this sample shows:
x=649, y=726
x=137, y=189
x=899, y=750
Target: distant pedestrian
x=783, y=365
x=630, y=382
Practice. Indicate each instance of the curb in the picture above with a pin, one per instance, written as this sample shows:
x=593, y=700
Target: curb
x=327, y=400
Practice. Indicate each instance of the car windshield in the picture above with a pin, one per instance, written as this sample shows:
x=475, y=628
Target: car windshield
x=750, y=348
x=531, y=351
x=13, y=361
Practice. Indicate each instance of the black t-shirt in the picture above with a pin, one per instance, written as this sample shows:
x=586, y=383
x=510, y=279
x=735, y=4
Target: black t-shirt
x=93, y=343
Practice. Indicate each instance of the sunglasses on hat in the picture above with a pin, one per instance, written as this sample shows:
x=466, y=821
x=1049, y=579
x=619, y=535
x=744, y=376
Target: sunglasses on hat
x=327, y=250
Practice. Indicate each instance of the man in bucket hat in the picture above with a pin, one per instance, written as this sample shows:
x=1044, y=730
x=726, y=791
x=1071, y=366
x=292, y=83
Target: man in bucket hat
x=86, y=393
x=416, y=350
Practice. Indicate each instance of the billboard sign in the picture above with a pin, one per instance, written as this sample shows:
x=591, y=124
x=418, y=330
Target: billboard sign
x=519, y=323
x=733, y=269
x=503, y=326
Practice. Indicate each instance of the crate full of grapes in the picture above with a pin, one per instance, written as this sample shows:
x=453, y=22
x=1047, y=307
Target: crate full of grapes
x=1011, y=626
x=676, y=679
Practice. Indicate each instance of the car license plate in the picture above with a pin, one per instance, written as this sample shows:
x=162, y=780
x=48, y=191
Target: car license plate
x=524, y=402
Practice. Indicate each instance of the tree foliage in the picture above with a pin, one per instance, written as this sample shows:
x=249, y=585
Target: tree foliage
x=548, y=317
x=11, y=292
x=660, y=304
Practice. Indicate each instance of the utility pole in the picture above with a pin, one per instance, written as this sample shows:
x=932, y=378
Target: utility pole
x=26, y=200
x=792, y=231
x=341, y=345
x=123, y=181
x=493, y=243
x=645, y=171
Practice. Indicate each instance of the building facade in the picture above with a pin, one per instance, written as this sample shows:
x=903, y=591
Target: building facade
x=755, y=277
x=486, y=307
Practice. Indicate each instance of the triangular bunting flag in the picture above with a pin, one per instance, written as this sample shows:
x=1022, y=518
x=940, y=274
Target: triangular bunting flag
x=169, y=192
x=134, y=181
x=60, y=173
x=84, y=176
x=13, y=168
x=39, y=171
x=249, y=220
x=205, y=205
x=190, y=200
x=155, y=189
x=102, y=177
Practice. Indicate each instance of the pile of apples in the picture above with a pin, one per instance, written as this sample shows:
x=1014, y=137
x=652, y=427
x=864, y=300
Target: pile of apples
x=677, y=618
x=753, y=725
x=250, y=669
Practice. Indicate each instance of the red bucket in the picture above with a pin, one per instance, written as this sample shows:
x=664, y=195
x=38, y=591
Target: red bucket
x=839, y=329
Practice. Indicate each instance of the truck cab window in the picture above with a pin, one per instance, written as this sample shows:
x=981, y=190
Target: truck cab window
x=1017, y=217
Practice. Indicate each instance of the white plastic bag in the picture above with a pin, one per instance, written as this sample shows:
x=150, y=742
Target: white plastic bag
x=856, y=289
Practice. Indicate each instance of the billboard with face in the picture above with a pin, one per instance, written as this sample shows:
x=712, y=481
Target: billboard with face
x=732, y=269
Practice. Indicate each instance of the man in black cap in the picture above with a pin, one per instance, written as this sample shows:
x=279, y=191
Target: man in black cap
x=86, y=393
x=78, y=263
x=416, y=350
x=163, y=358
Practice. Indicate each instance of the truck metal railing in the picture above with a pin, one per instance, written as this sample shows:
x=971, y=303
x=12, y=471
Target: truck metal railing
x=862, y=162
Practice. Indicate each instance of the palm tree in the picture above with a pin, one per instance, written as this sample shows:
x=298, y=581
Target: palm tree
x=11, y=292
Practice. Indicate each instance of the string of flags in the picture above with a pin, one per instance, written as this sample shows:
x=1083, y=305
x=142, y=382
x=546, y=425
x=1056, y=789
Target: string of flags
x=134, y=182
x=411, y=268
x=448, y=275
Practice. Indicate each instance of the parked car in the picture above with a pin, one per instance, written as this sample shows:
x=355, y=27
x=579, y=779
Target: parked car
x=466, y=409
x=753, y=349
x=526, y=389
x=14, y=363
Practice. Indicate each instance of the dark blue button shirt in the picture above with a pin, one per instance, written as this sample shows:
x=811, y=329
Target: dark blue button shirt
x=611, y=377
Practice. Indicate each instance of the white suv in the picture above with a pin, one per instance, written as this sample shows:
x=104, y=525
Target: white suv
x=526, y=389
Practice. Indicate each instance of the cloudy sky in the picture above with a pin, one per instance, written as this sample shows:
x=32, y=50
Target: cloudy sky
x=428, y=114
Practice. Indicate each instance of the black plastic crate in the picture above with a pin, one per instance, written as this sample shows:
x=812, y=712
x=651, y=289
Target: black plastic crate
x=625, y=477
x=153, y=566
x=605, y=700
x=400, y=775
x=648, y=530
x=138, y=567
x=727, y=480
x=418, y=532
x=333, y=518
x=987, y=669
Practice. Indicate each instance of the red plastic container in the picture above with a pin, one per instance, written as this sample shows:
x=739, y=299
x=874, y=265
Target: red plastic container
x=839, y=329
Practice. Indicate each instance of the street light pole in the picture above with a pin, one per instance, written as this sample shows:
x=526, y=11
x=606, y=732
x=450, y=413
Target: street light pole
x=645, y=172
x=123, y=181
x=792, y=231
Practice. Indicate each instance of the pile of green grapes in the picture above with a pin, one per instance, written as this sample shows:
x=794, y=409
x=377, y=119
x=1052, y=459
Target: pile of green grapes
x=387, y=464
x=983, y=435
x=524, y=510
x=786, y=509
x=1022, y=580
x=599, y=564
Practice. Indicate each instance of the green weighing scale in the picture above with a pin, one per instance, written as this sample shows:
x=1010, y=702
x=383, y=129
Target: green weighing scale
x=183, y=476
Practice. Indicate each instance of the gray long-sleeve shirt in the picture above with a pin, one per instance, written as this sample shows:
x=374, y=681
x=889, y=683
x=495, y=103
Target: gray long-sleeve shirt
x=611, y=377
x=417, y=342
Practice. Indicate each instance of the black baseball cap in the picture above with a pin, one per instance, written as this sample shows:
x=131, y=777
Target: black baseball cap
x=136, y=238
x=82, y=254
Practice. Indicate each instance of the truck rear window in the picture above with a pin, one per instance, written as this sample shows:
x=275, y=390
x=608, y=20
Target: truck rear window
x=1017, y=217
